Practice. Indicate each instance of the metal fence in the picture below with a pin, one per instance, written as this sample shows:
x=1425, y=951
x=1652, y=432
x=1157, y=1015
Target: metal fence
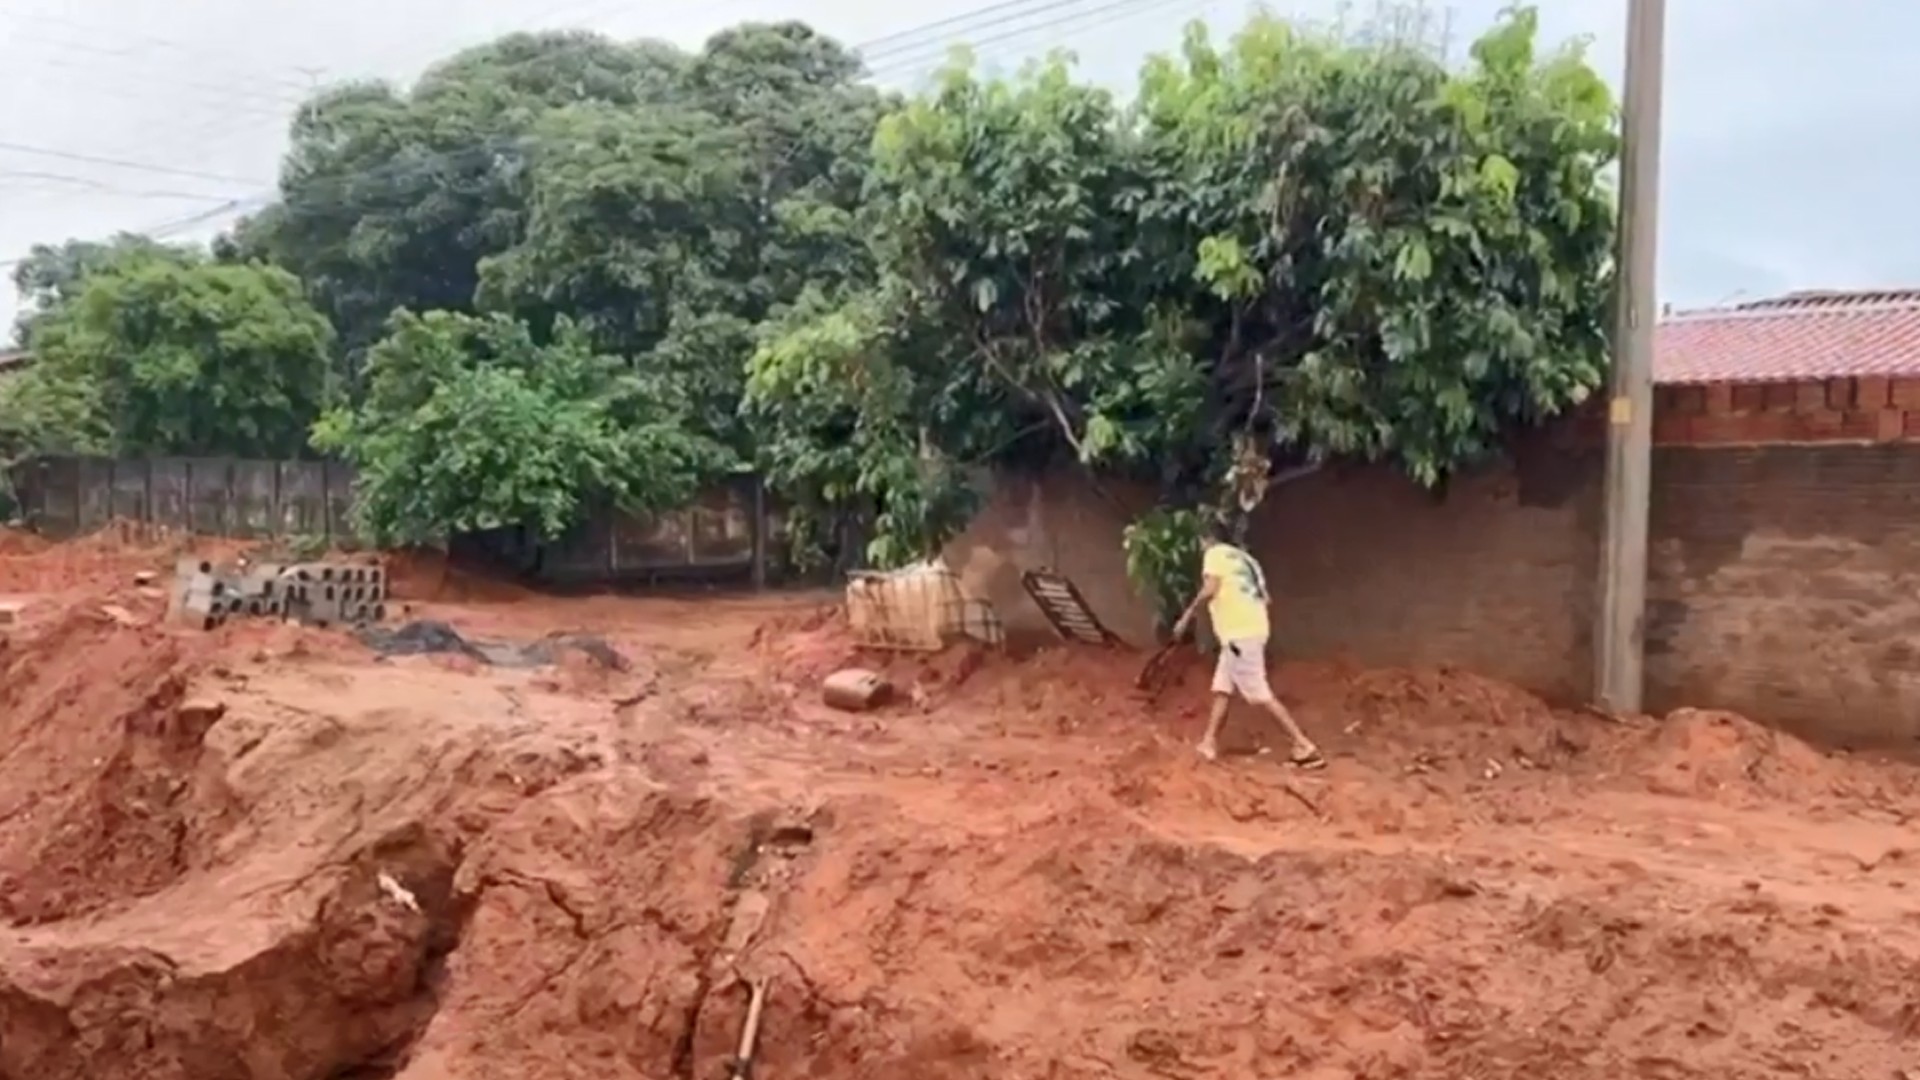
x=69, y=496
x=722, y=536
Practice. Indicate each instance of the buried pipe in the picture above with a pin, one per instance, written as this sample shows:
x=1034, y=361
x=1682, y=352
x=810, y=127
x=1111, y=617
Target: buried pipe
x=741, y=1068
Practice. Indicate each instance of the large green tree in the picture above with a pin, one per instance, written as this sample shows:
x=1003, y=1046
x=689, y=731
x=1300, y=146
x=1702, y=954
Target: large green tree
x=1292, y=247
x=51, y=274
x=164, y=352
x=635, y=201
x=671, y=232
x=667, y=202
x=471, y=423
x=391, y=199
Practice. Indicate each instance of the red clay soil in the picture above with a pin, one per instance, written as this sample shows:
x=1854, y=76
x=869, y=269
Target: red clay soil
x=20, y=542
x=263, y=853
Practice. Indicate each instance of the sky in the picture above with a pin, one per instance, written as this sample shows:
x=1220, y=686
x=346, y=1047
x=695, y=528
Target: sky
x=1787, y=161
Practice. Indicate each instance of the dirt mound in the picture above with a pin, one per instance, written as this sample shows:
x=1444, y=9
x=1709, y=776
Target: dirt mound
x=110, y=555
x=20, y=542
x=1708, y=753
x=598, y=910
x=271, y=854
x=1079, y=944
x=808, y=645
x=425, y=575
x=103, y=795
x=223, y=989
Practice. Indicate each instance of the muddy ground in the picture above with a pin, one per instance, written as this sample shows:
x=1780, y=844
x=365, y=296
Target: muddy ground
x=269, y=852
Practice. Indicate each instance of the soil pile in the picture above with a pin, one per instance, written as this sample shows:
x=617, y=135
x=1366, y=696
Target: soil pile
x=281, y=856
x=200, y=885
x=20, y=542
x=100, y=791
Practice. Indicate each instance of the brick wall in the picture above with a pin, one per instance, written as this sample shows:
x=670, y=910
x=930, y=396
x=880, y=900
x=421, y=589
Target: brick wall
x=1829, y=410
x=1784, y=578
x=1785, y=584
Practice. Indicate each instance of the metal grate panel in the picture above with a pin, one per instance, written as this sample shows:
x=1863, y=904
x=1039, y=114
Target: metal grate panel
x=1065, y=608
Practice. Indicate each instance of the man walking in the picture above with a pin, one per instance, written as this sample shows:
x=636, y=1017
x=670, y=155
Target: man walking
x=1234, y=590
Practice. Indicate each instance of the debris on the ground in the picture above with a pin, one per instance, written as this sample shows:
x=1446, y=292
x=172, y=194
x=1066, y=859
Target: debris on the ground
x=201, y=711
x=121, y=616
x=10, y=612
x=919, y=608
x=547, y=649
x=252, y=818
x=418, y=639
x=1153, y=674
x=430, y=636
x=1060, y=601
x=741, y=1067
x=397, y=892
x=855, y=690
x=207, y=594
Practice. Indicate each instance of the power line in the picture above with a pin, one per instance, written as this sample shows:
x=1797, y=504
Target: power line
x=149, y=39
x=903, y=49
x=120, y=163
x=164, y=229
x=88, y=182
x=143, y=91
x=1114, y=12
x=227, y=209
x=951, y=20
x=273, y=89
x=903, y=55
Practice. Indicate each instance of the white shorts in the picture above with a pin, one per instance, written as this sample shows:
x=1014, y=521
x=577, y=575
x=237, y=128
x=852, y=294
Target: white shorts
x=1242, y=669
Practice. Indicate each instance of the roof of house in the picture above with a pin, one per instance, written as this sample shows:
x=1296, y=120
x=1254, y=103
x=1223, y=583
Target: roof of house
x=14, y=358
x=1815, y=334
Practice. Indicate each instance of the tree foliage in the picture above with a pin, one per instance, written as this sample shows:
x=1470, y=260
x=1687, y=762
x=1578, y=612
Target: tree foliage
x=613, y=200
x=163, y=352
x=665, y=202
x=563, y=268
x=1287, y=247
x=471, y=423
x=51, y=274
x=390, y=200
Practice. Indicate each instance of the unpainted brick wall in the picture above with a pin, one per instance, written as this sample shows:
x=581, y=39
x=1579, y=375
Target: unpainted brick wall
x=1784, y=577
x=1874, y=409
x=1495, y=574
x=1785, y=584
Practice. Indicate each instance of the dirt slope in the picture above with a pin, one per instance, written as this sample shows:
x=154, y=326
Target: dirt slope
x=265, y=853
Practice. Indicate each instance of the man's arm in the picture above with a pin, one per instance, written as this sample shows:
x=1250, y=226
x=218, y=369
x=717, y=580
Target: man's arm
x=1209, y=585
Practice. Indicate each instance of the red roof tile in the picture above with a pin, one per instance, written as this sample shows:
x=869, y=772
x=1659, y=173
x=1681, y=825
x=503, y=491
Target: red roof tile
x=1803, y=335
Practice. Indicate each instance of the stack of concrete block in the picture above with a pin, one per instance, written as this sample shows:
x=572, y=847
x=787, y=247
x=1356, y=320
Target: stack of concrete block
x=318, y=594
x=325, y=594
x=206, y=594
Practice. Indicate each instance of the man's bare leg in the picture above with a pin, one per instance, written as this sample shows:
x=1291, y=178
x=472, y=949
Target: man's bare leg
x=1216, y=719
x=1303, y=747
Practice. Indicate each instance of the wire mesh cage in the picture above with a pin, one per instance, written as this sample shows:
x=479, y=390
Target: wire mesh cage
x=919, y=609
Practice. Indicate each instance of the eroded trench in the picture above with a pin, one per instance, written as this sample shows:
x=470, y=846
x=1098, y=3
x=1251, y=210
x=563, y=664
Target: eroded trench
x=460, y=907
x=158, y=929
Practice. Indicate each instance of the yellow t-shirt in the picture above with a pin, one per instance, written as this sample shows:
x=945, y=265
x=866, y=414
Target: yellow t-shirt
x=1239, y=608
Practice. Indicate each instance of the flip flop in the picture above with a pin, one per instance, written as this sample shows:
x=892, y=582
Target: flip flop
x=1311, y=760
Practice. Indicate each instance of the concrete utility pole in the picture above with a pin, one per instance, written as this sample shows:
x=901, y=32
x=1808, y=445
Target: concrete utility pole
x=1619, y=637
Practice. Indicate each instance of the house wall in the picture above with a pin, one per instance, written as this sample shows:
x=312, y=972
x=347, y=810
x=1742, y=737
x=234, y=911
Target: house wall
x=1784, y=579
